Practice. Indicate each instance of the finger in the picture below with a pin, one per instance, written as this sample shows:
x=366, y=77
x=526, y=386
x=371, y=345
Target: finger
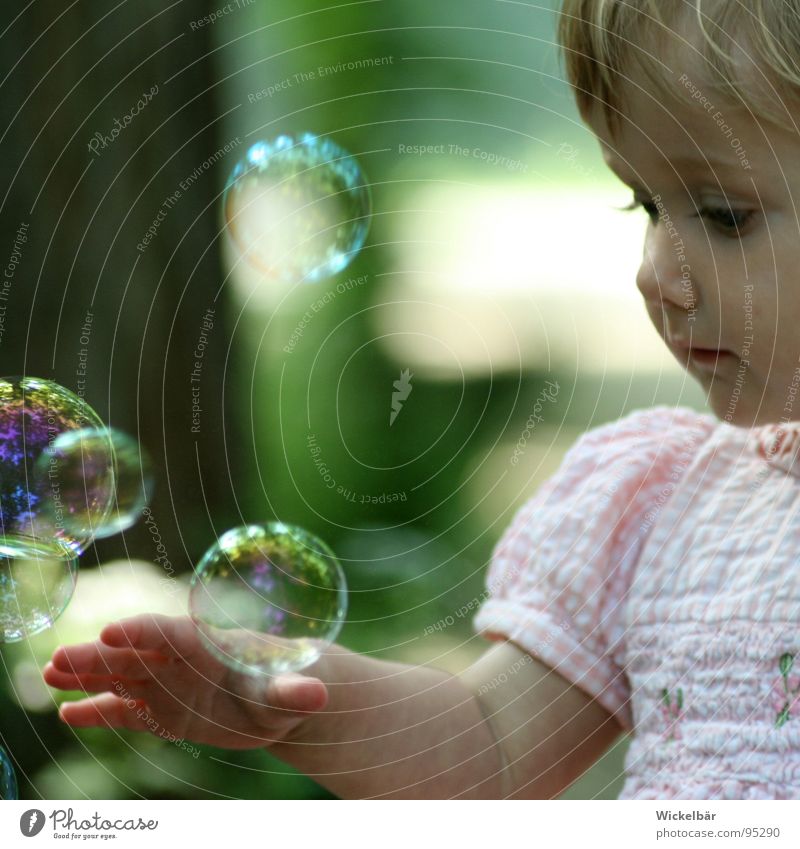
x=105, y=710
x=67, y=681
x=173, y=636
x=296, y=693
x=91, y=683
x=95, y=658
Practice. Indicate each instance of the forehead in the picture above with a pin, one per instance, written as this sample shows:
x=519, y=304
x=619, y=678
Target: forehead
x=674, y=111
x=681, y=124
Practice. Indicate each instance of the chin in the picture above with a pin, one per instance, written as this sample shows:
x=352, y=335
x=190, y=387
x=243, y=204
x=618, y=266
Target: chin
x=739, y=412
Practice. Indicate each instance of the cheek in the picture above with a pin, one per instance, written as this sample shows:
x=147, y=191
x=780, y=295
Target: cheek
x=777, y=321
x=758, y=315
x=656, y=316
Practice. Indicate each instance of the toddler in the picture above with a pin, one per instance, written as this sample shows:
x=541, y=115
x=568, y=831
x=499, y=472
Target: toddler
x=651, y=586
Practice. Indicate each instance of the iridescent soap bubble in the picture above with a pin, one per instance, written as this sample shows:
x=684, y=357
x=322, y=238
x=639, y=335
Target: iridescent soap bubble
x=80, y=469
x=99, y=465
x=39, y=540
x=298, y=208
x=34, y=509
x=268, y=598
x=8, y=779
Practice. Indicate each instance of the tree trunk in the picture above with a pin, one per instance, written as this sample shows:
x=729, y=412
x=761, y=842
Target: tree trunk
x=112, y=162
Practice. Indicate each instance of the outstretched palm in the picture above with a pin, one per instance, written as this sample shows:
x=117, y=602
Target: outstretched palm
x=152, y=673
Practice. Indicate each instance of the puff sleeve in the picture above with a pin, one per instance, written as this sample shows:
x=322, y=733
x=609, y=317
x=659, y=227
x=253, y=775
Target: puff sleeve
x=559, y=575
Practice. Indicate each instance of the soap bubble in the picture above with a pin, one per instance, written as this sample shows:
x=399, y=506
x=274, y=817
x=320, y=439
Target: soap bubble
x=37, y=580
x=34, y=509
x=8, y=780
x=268, y=598
x=81, y=470
x=297, y=208
x=94, y=466
x=133, y=478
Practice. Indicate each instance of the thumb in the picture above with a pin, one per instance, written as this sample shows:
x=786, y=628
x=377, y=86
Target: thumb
x=294, y=692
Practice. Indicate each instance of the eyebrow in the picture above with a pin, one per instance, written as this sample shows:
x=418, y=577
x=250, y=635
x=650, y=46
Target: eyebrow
x=705, y=163
x=682, y=163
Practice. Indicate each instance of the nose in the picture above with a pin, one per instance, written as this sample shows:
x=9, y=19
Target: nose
x=665, y=275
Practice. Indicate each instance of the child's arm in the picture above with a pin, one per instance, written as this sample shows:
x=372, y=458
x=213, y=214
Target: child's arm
x=418, y=732
x=361, y=727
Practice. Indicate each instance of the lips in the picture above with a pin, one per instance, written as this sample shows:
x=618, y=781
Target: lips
x=706, y=355
x=686, y=347
x=699, y=355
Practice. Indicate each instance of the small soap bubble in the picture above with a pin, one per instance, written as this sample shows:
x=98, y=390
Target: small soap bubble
x=268, y=598
x=100, y=466
x=34, y=509
x=8, y=779
x=298, y=208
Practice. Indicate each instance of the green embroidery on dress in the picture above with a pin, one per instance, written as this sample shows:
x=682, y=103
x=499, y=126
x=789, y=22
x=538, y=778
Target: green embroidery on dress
x=787, y=694
x=672, y=712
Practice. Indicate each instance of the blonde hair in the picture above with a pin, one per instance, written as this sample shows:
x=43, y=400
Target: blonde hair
x=750, y=48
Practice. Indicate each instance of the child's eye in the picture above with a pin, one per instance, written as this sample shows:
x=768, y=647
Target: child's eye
x=648, y=205
x=727, y=220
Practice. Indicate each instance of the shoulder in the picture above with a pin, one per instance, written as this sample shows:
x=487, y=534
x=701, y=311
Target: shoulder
x=645, y=443
x=607, y=481
x=649, y=427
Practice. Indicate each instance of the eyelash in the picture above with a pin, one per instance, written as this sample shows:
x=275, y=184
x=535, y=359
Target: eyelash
x=729, y=221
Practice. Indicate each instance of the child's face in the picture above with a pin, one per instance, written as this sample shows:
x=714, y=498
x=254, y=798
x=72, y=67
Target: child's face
x=720, y=274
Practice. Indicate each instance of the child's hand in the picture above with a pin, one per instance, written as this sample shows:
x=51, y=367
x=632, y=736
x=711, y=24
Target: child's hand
x=152, y=673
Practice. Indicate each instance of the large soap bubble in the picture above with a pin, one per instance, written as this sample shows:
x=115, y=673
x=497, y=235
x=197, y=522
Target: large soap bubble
x=8, y=779
x=65, y=479
x=297, y=208
x=37, y=507
x=268, y=598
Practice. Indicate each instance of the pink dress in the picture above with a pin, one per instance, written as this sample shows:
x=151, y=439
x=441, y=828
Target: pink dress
x=659, y=570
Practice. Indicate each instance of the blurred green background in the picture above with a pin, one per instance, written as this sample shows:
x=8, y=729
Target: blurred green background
x=495, y=262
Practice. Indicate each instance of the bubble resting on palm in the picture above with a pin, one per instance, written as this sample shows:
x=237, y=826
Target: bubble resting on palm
x=268, y=598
